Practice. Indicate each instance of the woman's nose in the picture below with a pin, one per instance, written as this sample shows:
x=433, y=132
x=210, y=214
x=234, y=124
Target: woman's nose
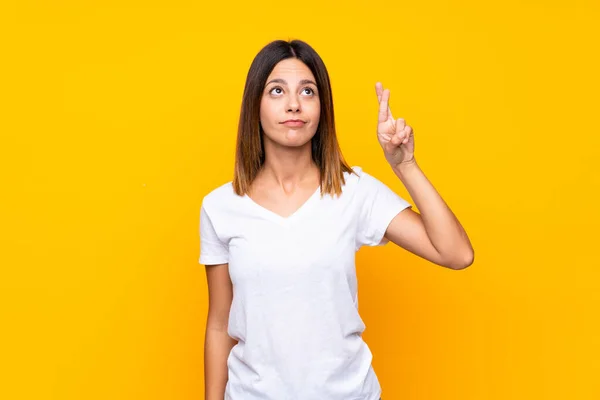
x=293, y=103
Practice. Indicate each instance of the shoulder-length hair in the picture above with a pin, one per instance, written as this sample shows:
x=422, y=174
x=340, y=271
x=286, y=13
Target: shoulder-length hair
x=250, y=152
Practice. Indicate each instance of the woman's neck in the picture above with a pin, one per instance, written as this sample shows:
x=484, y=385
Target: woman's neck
x=290, y=168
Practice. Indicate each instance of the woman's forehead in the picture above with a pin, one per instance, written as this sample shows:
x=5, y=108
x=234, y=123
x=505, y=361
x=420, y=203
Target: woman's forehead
x=291, y=70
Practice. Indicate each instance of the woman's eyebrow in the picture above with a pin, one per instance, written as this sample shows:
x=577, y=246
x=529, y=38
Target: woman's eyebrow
x=302, y=82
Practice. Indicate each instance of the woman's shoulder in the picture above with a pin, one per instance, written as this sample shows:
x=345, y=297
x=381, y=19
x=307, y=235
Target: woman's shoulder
x=361, y=180
x=352, y=180
x=356, y=177
x=221, y=196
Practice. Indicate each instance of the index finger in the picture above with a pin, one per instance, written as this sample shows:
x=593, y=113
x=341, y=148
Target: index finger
x=378, y=91
x=383, y=105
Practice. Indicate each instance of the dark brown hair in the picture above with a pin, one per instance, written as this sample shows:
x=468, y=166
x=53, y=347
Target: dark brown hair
x=250, y=152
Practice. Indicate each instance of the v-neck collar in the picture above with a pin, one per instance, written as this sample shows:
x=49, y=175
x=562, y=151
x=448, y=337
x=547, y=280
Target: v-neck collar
x=273, y=216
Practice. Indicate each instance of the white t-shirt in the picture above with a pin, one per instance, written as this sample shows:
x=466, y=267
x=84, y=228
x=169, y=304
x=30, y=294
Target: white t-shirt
x=294, y=311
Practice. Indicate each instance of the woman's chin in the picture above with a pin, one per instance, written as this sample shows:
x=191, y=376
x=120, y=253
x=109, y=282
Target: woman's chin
x=293, y=138
x=296, y=138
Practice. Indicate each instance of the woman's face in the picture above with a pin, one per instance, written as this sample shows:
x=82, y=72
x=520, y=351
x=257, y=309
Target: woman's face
x=290, y=94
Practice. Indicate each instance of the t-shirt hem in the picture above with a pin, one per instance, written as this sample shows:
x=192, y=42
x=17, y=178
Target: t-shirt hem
x=210, y=260
x=379, y=238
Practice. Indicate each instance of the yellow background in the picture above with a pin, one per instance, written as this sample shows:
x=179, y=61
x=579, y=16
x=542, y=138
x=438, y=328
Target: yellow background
x=118, y=117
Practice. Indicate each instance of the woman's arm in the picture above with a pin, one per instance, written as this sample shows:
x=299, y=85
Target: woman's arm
x=435, y=234
x=217, y=343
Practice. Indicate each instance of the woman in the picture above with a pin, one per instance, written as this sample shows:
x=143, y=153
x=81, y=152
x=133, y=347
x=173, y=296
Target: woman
x=279, y=241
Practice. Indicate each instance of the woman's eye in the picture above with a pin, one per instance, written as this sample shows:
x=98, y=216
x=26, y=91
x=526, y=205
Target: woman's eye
x=278, y=90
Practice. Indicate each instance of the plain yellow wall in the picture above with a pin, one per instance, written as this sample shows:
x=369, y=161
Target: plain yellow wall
x=118, y=117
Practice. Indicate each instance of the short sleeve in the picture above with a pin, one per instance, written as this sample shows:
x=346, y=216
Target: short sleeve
x=212, y=249
x=378, y=206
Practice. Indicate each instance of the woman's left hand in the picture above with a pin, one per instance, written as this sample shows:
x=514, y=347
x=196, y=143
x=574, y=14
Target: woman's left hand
x=395, y=137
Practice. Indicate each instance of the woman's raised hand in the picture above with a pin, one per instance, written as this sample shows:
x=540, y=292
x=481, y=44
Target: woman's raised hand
x=395, y=137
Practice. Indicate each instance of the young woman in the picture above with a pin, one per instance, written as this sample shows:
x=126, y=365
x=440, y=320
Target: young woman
x=279, y=241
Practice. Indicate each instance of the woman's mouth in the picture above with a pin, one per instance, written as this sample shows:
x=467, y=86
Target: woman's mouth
x=294, y=123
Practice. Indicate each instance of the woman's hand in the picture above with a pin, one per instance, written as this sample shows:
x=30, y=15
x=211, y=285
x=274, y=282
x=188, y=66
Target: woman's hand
x=395, y=137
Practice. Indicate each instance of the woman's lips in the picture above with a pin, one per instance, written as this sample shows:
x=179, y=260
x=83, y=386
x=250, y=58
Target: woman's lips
x=294, y=123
